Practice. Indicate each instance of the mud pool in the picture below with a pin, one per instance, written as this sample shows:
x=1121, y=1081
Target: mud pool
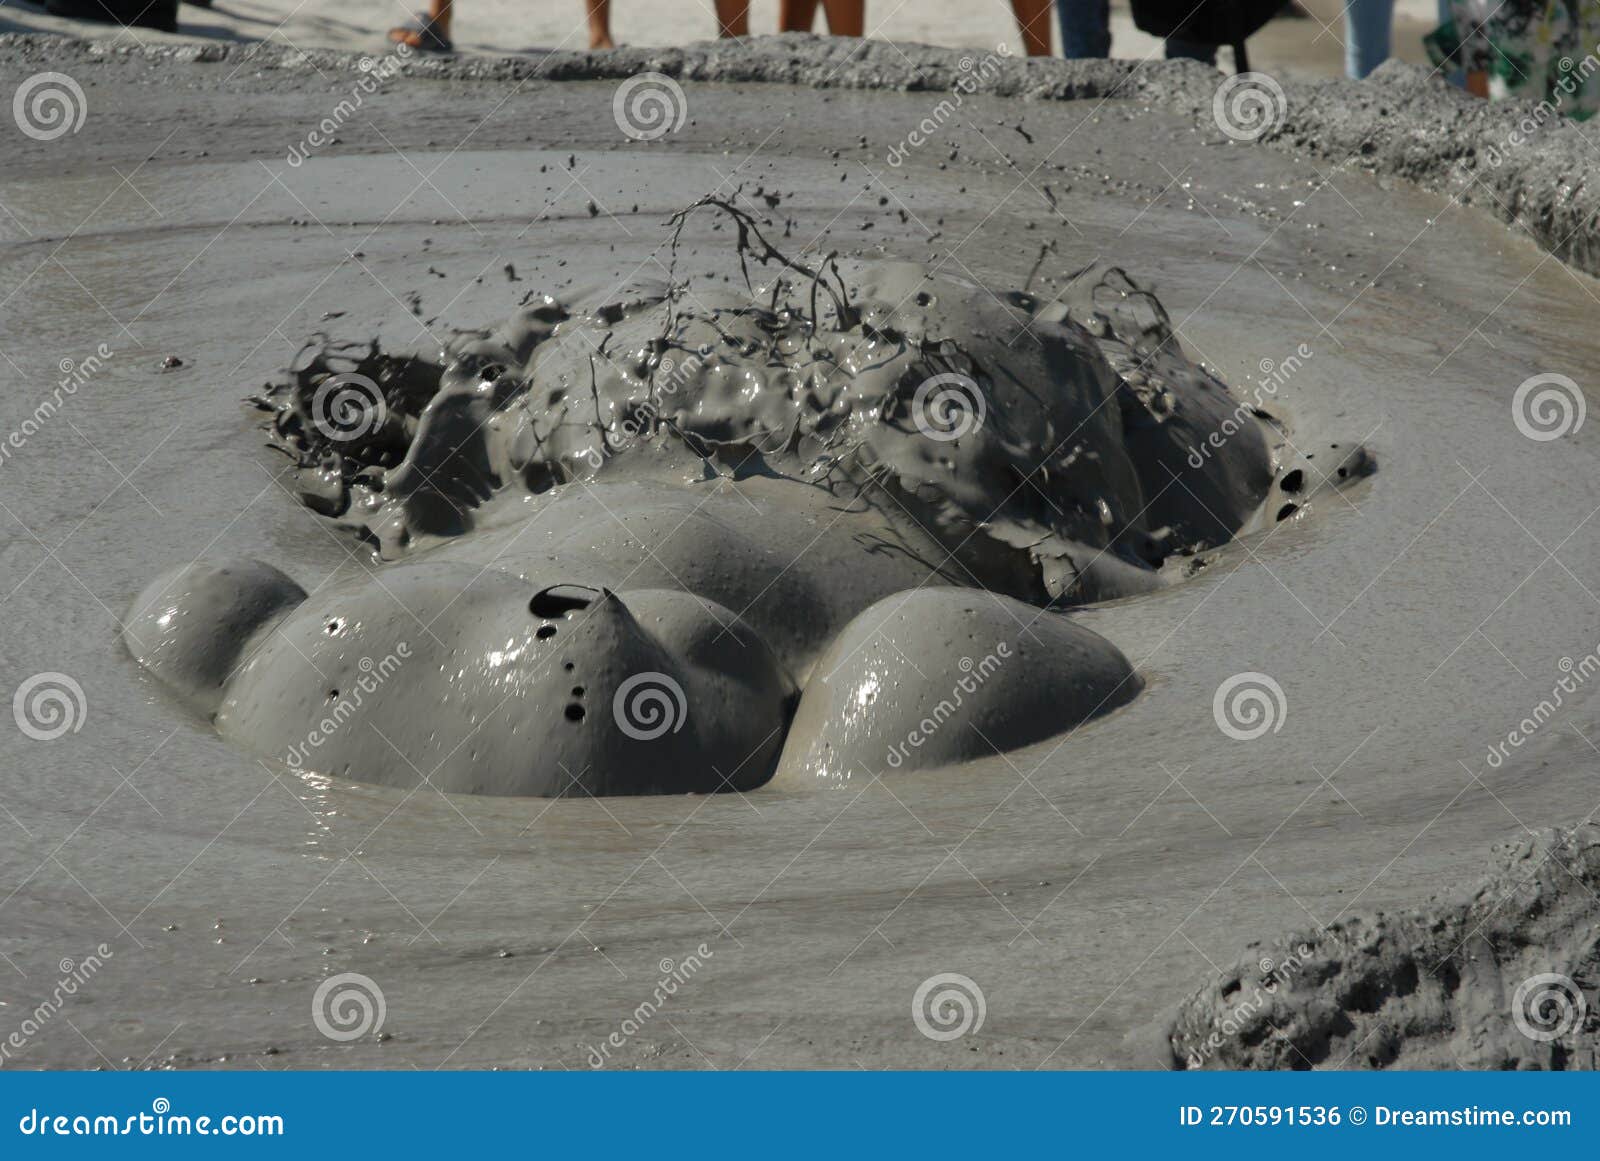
x=1087, y=880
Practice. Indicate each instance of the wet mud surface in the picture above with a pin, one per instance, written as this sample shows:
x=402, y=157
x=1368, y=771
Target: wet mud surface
x=1086, y=881
x=914, y=430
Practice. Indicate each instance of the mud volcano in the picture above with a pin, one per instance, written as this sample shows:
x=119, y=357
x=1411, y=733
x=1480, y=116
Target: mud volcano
x=1119, y=660
x=913, y=429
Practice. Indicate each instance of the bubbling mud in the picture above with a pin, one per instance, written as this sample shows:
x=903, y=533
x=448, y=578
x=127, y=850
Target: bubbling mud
x=794, y=521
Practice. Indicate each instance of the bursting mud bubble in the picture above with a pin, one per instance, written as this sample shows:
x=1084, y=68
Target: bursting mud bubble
x=967, y=463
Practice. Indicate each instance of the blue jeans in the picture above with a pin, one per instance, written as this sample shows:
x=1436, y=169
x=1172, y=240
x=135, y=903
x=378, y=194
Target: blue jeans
x=1086, y=32
x=1366, y=35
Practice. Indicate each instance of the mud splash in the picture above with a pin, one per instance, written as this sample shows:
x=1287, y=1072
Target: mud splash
x=666, y=539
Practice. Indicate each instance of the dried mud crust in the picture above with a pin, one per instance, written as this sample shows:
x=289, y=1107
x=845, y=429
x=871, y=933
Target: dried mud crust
x=1505, y=978
x=1510, y=159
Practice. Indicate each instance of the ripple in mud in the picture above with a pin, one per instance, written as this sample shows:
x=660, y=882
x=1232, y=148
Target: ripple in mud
x=829, y=526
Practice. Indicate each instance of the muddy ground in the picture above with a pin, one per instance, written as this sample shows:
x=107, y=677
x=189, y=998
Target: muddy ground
x=1084, y=885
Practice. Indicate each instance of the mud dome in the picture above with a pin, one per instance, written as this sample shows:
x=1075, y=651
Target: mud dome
x=595, y=509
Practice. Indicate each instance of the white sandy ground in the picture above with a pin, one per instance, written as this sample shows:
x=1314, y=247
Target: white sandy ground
x=1306, y=46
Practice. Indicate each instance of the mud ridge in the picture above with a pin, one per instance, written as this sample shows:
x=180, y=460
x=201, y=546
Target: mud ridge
x=1517, y=161
x=1505, y=977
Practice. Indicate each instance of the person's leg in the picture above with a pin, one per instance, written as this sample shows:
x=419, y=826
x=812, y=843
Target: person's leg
x=1190, y=50
x=1367, y=25
x=1085, y=27
x=1033, y=21
x=1447, y=16
x=733, y=17
x=846, y=17
x=796, y=15
x=438, y=15
x=600, y=24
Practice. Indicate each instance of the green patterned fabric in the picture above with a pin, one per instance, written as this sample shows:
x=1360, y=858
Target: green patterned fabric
x=1538, y=50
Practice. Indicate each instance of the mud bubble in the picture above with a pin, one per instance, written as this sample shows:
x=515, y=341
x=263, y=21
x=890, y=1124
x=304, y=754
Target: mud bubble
x=796, y=516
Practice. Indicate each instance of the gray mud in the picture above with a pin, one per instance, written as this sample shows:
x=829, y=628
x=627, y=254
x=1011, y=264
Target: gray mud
x=1514, y=160
x=1495, y=977
x=909, y=426
x=1084, y=881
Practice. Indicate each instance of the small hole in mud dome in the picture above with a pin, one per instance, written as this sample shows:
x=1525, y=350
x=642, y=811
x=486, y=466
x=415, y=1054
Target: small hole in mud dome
x=568, y=666
x=575, y=712
x=1293, y=481
x=545, y=632
x=577, y=691
x=1287, y=511
x=333, y=626
x=559, y=600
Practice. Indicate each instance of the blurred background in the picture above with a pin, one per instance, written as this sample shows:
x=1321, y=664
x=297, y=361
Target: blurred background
x=1307, y=40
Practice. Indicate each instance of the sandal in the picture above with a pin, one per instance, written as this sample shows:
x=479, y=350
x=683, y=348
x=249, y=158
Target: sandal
x=422, y=33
